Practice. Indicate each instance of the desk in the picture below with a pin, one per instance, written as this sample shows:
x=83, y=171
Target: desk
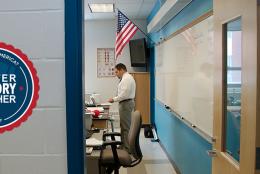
x=102, y=121
x=93, y=158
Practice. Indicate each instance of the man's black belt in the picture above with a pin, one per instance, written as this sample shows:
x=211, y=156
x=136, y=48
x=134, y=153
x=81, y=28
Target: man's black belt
x=126, y=100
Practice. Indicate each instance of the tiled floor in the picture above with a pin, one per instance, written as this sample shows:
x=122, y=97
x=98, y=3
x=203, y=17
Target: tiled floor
x=154, y=160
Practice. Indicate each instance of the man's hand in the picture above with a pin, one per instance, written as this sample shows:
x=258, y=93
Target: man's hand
x=111, y=100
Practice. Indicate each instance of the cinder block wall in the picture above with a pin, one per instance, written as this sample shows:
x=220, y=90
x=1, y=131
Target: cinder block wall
x=38, y=146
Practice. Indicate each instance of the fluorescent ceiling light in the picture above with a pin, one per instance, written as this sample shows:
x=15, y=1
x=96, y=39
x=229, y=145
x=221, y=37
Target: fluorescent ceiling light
x=101, y=8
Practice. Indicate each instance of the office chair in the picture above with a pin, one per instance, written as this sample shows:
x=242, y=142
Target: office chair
x=113, y=158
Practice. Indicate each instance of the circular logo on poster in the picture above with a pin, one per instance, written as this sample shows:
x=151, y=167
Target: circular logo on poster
x=19, y=87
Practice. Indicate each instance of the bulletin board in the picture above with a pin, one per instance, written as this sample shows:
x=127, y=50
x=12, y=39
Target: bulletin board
x=184, y=74
x=105, y=62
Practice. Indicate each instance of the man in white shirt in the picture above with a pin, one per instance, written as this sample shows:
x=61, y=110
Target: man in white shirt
x=125, y=97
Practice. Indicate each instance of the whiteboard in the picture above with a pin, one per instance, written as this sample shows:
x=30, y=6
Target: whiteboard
x=184, y=74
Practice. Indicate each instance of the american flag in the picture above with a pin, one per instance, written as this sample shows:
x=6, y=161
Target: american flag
x=125, y=31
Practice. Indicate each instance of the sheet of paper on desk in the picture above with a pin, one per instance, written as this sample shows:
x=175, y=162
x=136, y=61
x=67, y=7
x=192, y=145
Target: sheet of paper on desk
x=91, y=109
x=106, y=104
x=93, y=142
x=89, y=150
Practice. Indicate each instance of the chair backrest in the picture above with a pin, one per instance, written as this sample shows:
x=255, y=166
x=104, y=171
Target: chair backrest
x=133, y=135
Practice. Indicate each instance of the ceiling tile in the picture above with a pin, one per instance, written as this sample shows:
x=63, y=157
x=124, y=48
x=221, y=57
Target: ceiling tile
x=131, y=8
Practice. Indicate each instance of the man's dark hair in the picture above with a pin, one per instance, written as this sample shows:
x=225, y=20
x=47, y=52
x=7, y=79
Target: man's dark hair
x=120, y=66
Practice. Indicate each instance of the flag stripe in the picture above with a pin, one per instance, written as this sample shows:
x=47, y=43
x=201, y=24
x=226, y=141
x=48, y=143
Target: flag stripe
x=123, y=30
x=125, y=35
x=126, y=41
x=126, y=38
x=126, y=29
x=120, y=50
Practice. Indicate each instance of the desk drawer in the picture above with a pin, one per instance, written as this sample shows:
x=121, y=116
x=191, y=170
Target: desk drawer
x=101, y=124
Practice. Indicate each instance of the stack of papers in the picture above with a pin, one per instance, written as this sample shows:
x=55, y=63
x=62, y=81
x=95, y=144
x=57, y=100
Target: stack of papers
x=89, y=150
x=91, y=109
x=93, y=142
x=106, y=104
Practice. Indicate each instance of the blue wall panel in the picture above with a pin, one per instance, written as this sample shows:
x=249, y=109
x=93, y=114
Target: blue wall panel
x=152, y=84
x=74, y=69
x=185, y=147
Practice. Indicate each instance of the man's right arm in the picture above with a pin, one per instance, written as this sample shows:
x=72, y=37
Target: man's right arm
x=111, y=100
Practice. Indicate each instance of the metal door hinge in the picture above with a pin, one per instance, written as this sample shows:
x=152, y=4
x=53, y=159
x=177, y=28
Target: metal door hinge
x=212, y=153
x=213, y=139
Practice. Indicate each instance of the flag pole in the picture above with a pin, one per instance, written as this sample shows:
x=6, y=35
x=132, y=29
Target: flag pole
x=139, y=29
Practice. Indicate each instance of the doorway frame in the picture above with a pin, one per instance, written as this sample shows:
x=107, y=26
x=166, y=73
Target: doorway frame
x=75, y=84
x=224, y=12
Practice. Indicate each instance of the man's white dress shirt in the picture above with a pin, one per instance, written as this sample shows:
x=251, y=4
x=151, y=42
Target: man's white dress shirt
x=126, y=88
